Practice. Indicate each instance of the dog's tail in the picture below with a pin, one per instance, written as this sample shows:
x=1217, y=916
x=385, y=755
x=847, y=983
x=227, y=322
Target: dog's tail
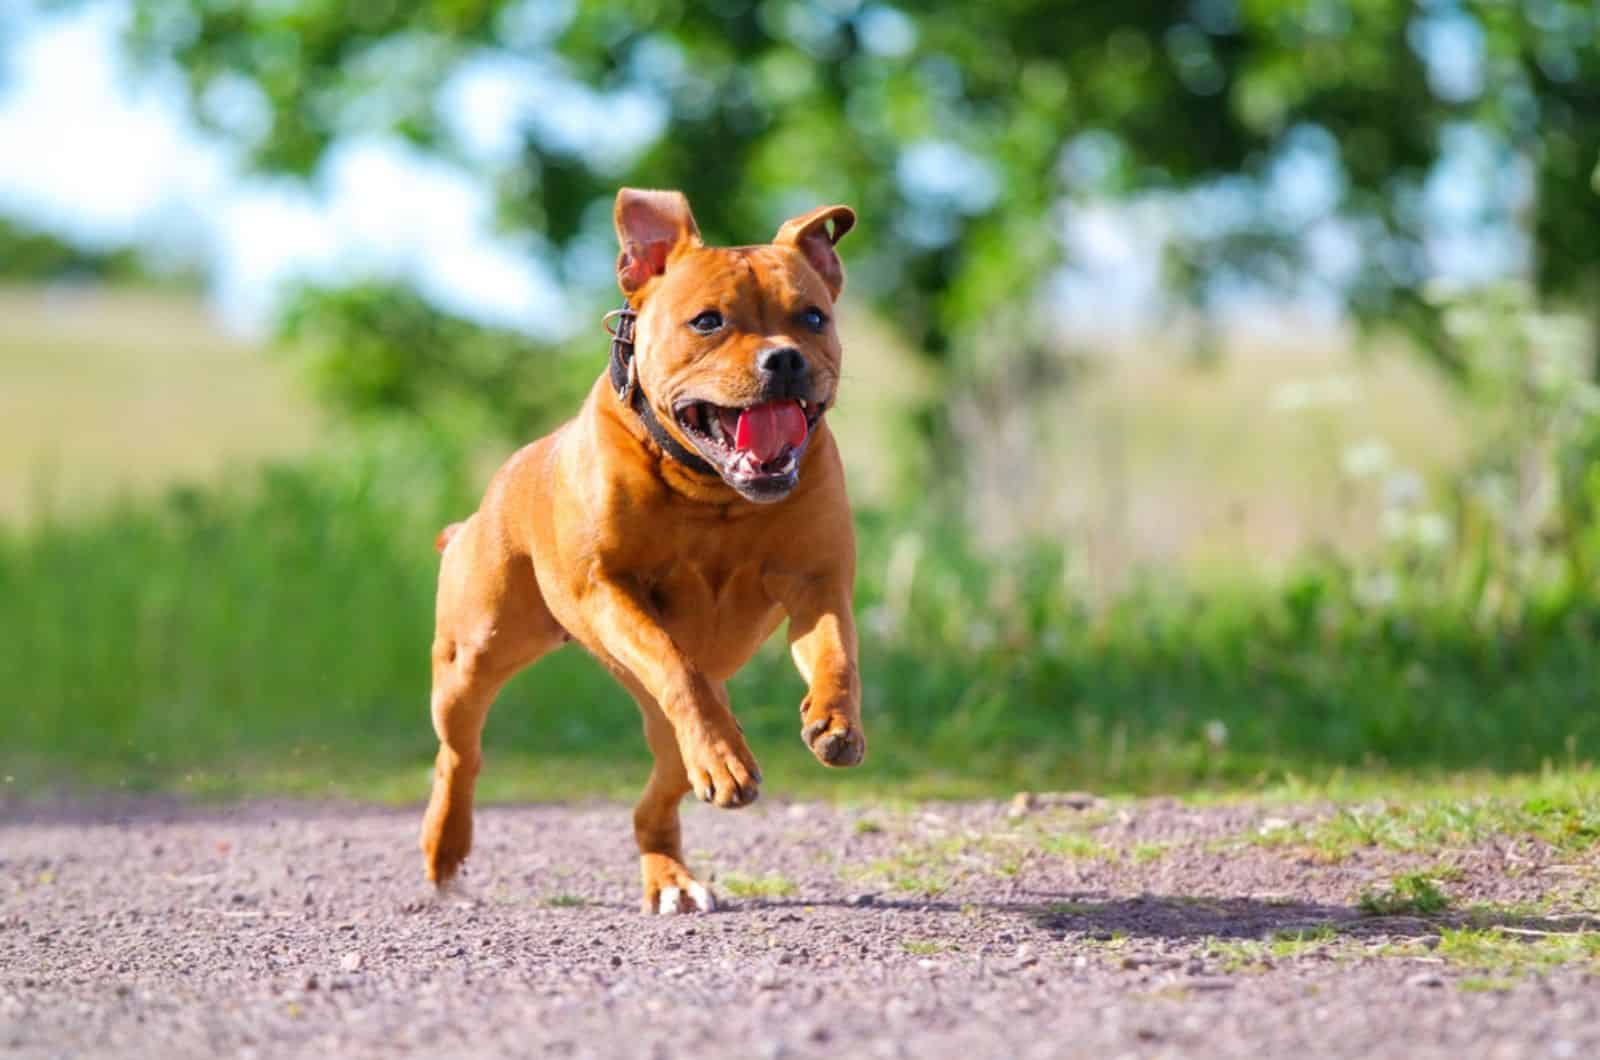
x=442, y=542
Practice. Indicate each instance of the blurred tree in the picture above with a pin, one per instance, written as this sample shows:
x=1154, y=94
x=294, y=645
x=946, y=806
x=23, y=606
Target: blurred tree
x=964, y=132
x=373, y=348
x=28, y=254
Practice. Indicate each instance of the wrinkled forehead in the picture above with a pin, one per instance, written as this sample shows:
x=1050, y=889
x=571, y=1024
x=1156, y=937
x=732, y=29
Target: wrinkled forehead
x=717, y=277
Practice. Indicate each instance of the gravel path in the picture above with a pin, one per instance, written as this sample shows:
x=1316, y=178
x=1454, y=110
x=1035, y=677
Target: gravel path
x=1068, y=927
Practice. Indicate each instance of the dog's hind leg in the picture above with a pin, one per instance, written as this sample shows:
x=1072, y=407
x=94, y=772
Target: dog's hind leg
x=491, y=622
x=668, y=886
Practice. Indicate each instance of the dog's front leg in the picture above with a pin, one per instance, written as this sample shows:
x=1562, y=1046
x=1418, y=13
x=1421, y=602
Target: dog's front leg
x=718, y=763
x=822, y=639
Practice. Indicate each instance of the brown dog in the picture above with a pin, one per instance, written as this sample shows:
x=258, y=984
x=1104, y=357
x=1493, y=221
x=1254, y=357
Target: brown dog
x=695, y=502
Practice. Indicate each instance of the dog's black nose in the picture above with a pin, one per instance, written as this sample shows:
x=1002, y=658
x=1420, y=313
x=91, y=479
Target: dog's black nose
x=782, y=365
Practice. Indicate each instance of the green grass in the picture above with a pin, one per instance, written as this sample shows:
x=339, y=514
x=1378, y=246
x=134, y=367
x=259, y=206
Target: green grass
x=1509, y=950
x=926, y=947
x=1480, y=984
x=269, y=634
x=1076, y=846
x=1413, y=894
x=771, y=885
x=106, y=391
x=566, y=901
x=1294, y=943
x=1560, y=808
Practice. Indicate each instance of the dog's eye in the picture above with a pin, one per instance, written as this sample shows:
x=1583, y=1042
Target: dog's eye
x=707, y=322
x=814, y=318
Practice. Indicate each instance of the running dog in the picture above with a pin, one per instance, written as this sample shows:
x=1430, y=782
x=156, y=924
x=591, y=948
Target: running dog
x=695, y=502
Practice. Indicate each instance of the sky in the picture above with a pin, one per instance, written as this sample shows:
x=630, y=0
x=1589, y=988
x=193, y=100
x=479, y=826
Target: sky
x=103, y=157
x=93, y=152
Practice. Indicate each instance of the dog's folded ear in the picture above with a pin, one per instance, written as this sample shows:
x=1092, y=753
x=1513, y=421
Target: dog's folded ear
x=814, y=235
x=652, y=227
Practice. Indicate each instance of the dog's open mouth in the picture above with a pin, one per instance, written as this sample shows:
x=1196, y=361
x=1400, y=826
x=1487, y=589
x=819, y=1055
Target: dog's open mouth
x=757, y=449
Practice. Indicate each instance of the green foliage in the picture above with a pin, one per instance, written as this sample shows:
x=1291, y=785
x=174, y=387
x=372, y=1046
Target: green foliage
x=1512, y=539
x=282, y=613
x=284, y=618
x=377, y=349
x=1529, y=506
x=959, y=130
x=29, y=254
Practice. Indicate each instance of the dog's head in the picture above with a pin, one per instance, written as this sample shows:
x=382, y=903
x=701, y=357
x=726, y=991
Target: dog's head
x=735, y=347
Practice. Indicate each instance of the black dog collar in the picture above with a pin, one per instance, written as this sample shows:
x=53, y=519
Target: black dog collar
x=625, y=381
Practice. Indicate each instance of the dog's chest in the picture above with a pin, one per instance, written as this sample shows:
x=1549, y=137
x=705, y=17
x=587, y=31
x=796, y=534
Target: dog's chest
x=717, y=612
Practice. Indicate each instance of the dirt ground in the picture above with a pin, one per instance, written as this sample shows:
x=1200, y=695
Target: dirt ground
x=1066, y=927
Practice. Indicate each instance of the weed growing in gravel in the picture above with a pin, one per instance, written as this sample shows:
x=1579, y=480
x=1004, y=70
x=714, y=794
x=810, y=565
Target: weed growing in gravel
x=1480, y=984
x=566, y=901
x=1562, y=811
x=928, y=885
x=1078, y=847
x=1510, y=949
x=1414, y=894
x=913, y=870
x=867, y=826
x=1238, y=955
x=771, y=885
x=1491, y=914
x=1293, y=943
x=931, y=867
x=925, y=947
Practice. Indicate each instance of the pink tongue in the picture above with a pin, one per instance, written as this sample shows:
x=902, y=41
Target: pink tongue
x=766, y=429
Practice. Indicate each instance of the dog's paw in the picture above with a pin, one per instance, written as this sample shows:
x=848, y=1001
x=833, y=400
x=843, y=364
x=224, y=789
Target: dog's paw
x=670, y=890
x=723, y=772
x=833, y=736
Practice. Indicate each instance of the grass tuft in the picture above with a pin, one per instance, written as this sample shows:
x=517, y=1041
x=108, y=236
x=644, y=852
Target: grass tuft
x=1414, y=894
x=771, y=885
x=926, y=947
x=566, y=901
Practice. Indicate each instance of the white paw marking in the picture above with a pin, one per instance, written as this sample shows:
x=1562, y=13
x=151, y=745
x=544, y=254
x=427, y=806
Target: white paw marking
x=702, y=898
x=670, y=897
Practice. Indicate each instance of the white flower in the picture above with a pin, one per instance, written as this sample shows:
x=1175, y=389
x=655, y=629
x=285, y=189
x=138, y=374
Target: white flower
x=1432, y=530
x=1366, y=458
x=1313, y=393
x=1402, y=489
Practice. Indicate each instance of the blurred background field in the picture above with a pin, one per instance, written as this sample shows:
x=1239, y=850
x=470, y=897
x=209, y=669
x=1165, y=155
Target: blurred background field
x=1214, y=422
x=111, y=391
